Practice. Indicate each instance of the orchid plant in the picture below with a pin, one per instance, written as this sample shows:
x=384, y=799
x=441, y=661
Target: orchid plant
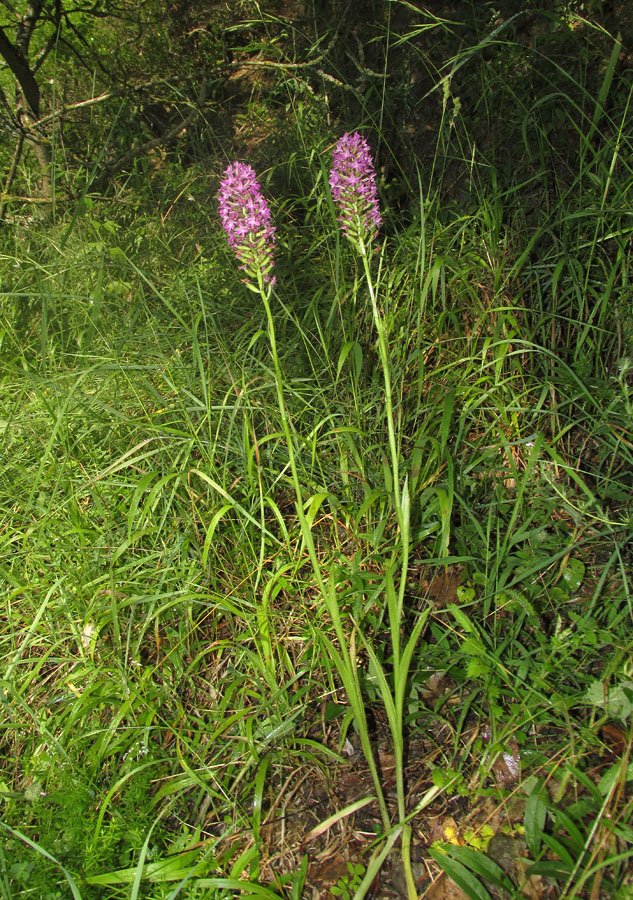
x=353, y=188
x=247, y=220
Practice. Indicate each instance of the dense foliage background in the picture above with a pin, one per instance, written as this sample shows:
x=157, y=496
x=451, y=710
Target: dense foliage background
x=172, y=718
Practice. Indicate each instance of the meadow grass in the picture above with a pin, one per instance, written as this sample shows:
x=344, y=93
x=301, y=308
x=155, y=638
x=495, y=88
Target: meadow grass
x=193, y=667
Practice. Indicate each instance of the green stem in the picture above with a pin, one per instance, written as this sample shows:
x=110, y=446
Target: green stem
x=384, y=360
x=285, y=424
x=402, y=518
x=309, y=543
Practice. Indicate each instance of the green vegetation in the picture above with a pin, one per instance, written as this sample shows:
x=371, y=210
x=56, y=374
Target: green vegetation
x=205, y=693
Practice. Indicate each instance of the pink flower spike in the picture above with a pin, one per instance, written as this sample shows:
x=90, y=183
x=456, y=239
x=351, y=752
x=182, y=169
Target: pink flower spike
x=247, y=221
x=353, y=187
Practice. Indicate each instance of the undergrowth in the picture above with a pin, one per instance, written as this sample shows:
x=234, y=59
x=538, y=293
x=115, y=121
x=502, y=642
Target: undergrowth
x=171, y=721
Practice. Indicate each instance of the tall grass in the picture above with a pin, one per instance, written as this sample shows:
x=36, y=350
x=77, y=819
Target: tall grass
x=213, y=602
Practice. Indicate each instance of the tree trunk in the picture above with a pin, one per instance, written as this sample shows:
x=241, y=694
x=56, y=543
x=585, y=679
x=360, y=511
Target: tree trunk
x=27, y=92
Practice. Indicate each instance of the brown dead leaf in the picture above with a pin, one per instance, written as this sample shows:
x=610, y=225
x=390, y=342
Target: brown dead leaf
x=386, y=760
x=444, y=889
x=328, y=871
x=438, y=684
x=509, y=853
x=445, y=830
x=615, y=739
x=507, y=766
x=442, y=590
x=350, y=786
x=532, y=888
x=506, y=769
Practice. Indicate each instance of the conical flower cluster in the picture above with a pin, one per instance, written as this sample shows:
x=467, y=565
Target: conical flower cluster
x=247, y=220
x=353, y=186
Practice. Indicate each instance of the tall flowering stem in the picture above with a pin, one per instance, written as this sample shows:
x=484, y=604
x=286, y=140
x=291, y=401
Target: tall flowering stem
x=248, y=221
x=353, y=188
